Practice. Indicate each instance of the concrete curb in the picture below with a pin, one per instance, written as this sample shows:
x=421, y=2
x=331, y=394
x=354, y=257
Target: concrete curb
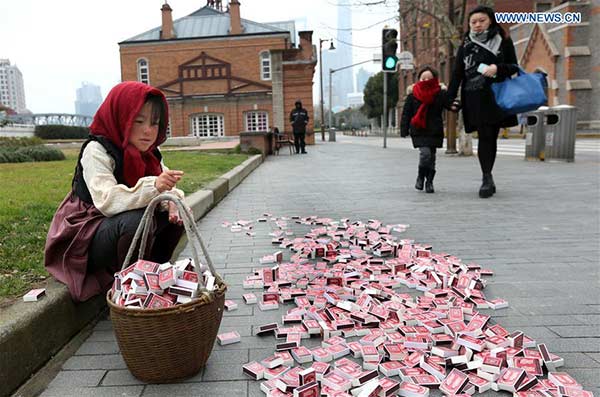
x=30, y=334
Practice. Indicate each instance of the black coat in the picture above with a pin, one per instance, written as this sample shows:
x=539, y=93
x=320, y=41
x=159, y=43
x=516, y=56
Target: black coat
x=299, y=119
x=477, y=98
x=433, y=134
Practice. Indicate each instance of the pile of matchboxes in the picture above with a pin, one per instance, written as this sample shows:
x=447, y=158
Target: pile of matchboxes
x=340, y=286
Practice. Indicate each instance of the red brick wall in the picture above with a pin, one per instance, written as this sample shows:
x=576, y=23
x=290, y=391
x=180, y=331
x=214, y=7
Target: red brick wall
x=297, y=85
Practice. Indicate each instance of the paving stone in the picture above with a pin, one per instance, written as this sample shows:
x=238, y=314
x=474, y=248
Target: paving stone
x=576, y=331
x=579, y=360
x=595, y=356
x=102, y=336
x=77, y=378
x=120, y=378
x=98, y=348
x=124, y=391
x=233, y=357
x=223, y=372
x=204, y=389
x=109, y=361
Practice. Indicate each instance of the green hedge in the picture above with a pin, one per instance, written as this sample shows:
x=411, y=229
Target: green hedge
x=23, y=154
x=61, y=132
x=18, y=142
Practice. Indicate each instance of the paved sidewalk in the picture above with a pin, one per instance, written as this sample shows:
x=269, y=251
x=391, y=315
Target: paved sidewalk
x=540, y=234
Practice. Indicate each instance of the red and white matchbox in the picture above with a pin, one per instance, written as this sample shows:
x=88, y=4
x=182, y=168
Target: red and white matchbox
x=250, y=298
x=34, y=295
x=254, y=370
x=454, y=382
x=510, y=379
x=272, y=362
x=302, y=355
x=409, y=389
x=308, y=390
x=563, y=379
x=230, y=305
x=142, y=266
x=228, y=338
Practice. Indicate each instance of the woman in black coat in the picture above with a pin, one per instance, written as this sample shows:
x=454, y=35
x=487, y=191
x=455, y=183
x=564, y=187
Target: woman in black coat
x=486, y=56
x=422, y=120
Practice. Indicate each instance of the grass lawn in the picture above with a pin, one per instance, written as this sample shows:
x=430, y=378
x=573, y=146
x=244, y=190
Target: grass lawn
x=32, y=192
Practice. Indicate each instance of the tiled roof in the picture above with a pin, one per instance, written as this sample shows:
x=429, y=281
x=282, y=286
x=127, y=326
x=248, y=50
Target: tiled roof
x=208, y=22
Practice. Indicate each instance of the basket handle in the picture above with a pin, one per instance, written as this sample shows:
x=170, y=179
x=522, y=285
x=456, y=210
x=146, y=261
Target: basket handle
x=191, y=231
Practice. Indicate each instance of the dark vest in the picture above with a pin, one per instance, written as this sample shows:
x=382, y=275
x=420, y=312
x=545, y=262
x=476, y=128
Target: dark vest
x=80, y=187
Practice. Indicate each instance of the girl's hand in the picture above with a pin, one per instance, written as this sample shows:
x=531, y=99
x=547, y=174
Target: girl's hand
x=174, y=217
x=490, y=71
x=167, y=180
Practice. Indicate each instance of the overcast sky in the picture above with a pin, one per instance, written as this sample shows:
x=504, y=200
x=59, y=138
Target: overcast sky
x=58, y=44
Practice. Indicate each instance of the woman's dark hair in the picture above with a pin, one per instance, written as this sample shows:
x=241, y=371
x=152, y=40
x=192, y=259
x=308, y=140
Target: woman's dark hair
x=158, y=111
x=481, y=9
x=427, y=69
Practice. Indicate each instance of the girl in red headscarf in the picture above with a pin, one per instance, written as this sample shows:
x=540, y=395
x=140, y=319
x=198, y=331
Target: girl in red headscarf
x=422, y=120
x=119, y=171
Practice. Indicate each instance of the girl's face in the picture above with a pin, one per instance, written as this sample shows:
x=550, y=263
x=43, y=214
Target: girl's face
x=145, y=129
x=479, y=22
x=426, y=75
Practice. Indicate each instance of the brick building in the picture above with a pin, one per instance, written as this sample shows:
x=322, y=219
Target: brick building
x=222, y=74
x=570, y=55
x=422, y=35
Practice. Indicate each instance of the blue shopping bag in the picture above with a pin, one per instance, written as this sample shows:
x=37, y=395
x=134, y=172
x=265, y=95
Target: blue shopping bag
x=521, y=94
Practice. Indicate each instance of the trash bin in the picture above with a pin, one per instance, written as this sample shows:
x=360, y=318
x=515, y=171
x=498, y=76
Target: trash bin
x=332, y=134
x=534, y=137
x=560, y=125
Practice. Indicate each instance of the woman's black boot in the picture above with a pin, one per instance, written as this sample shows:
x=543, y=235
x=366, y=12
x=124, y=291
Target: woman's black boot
x=429, y=183
x=421, y=178
x=488, y=188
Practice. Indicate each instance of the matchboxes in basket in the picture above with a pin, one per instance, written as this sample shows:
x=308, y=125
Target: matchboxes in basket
x=150, y=285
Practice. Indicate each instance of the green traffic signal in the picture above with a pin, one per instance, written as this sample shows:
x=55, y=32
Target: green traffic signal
x=389, y=46
x=390, y=63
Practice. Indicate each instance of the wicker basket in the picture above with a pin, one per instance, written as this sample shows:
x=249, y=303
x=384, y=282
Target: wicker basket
x=171, y=344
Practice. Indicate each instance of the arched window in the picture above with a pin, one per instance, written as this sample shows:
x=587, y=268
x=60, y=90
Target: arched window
x=257, y=121
x=265, y=65
x=143, y=71
x=207, y=124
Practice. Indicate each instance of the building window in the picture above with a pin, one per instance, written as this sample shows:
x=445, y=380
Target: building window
x=265, y=65
x=143, y=71
x=257, y=121
x=543, y=7
x=207, y=124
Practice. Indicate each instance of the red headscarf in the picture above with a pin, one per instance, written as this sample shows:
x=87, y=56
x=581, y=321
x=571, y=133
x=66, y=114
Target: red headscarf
x=425, y=91
x=114, y=120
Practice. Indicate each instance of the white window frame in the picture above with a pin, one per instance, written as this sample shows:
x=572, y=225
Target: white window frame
x=143, y=71
x=264, y=62
x=256, y=121
x=206, y=125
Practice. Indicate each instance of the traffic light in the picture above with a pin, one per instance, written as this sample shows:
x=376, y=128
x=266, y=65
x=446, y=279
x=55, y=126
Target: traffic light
x=389, y=45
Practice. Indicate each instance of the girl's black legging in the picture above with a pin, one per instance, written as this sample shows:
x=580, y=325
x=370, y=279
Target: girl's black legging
x=111, y=242
x=487, y=147
x=427, y=157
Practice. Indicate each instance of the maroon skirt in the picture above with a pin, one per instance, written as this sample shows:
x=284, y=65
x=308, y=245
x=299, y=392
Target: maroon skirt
x=66, y=252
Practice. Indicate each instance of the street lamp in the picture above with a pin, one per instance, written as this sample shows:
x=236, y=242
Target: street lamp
x=331, y=72
x=331, y=47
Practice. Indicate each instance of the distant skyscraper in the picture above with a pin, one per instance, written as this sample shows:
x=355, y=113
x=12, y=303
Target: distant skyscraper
x=361, y=79
x=88, y=100
x=343, y=81
x=12, y=90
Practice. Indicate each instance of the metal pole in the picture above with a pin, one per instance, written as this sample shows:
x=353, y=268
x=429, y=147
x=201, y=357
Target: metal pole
x=451, y=120
x=330, y=109
x=321, y=77
x=384, y=122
